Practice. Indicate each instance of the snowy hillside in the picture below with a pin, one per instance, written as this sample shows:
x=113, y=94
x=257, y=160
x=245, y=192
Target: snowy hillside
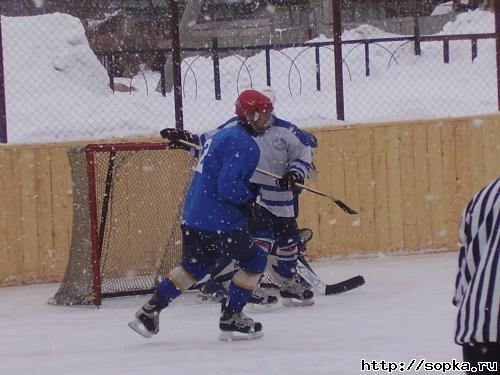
x=57, y=90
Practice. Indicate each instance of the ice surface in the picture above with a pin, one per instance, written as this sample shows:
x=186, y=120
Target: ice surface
x=404, y=311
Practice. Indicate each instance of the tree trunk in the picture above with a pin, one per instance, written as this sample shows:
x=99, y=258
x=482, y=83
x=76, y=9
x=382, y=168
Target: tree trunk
x=456, y=6
x=188, y=19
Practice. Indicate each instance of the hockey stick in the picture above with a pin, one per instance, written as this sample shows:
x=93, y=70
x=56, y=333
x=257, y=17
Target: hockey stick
x=306, y=272
x=337, y=201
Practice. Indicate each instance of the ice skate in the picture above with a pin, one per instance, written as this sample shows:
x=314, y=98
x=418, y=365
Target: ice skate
x=295, y=291
x=211, y=292
x=238, y=326
x=147, y=319
x=261, y=296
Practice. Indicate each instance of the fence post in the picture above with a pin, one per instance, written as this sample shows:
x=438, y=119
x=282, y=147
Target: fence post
x=3, y=107
x=337, y=51
x=163, y=78
x=176, y=63
x=268, y=67
x=215, y=60
x=318, y=69
x=497, y=32
x=367, y=59
x=111, y=71
x=416, y=25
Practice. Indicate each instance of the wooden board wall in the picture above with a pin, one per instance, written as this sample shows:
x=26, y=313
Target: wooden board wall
x=35, y=213
x=409, y=181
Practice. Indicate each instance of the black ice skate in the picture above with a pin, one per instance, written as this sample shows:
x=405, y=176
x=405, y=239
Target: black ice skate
x=147, y=319
x=211, y=292
x=260, y=296
x=295, y=291
x=238, y=326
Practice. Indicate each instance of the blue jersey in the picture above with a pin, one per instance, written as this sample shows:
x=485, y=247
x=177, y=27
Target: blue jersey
x=221, y=180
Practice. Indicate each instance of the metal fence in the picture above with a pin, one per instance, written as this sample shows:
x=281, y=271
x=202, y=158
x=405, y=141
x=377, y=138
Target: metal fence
x=57, y=88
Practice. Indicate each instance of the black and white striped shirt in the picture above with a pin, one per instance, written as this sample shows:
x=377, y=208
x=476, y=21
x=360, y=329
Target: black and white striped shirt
x=477, y=286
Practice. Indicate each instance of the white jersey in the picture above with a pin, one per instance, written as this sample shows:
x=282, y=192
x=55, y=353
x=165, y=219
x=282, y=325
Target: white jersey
x=283, y=148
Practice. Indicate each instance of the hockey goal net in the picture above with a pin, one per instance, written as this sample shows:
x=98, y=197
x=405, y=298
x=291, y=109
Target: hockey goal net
x=127, y=201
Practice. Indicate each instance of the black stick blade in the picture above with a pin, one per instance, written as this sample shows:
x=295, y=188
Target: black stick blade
x=345, y=207
x=344, y=286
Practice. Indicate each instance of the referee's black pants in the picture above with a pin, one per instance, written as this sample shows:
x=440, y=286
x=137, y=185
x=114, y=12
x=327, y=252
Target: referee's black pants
x=482, y=352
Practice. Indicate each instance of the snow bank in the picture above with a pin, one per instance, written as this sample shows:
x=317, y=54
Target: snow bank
x=58, y=91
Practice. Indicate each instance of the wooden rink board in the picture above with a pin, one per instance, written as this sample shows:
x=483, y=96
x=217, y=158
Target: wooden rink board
x=409, y=181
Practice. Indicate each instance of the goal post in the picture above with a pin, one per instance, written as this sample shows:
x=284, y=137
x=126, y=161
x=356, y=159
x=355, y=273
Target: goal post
x=127, y=201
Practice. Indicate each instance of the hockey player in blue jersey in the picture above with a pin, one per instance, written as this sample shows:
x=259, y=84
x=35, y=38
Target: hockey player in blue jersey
x=214, y=224
x=285, y=150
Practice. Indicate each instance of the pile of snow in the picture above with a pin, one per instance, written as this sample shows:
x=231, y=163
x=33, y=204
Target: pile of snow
x=63, y=59
x=51, y=75
x=442, y=9
x=57, y=90
x=478, y=21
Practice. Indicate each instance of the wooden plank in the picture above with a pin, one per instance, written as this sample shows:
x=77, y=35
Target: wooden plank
x=336, y=187
x=422, y=186
x=43, y=188
x=395, y=200
x=366, y=189
x=31, y=260
x=464, y=167
x=61, y=208
x=436, y=199
x=407, y=163
x=308, y=206
x=14, y=232
x=319, y=210
x=4, y=215
x=491, y=150
x=352, y=190
x=451, y=208
x=476, y=161
x=383, y=233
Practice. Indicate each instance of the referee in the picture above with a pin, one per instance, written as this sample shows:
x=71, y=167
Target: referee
x=477, y=286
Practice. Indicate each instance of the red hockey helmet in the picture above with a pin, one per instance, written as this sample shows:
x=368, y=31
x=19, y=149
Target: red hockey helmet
x=252, y=101
x=256, y=109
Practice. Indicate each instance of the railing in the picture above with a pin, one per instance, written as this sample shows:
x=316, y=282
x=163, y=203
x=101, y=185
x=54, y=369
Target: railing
x=107, y=57
x=241, y=55
x=319, y=82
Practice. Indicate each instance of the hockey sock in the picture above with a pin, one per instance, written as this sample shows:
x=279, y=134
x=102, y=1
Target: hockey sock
x=167, y=291
x=286, y=264
x=238, y=298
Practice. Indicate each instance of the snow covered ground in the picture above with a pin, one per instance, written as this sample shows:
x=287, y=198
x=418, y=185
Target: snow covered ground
x=58, y=91
x=403, y=312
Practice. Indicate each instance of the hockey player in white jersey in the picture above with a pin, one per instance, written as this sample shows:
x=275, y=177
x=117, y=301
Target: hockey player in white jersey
x=285, y=150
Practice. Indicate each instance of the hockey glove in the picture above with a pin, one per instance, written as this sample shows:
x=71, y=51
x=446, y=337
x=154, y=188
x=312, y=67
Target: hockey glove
x=247, y=208
x=255, y=190
x=289, y=181
x=175, y=136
